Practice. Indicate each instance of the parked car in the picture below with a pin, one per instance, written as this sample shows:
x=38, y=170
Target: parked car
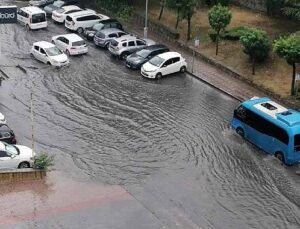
x=103, y=37
x=125, y=45
x=164, y=64
x=71, y=44
x=32, y=17
x=15, y=156
x=40, y=3
x=2, y=119
x=90, y=32
x=7, y=135
x=80, y=20
x=60, y=15
x=48, y=53
x=137, y=59
x=57, y=5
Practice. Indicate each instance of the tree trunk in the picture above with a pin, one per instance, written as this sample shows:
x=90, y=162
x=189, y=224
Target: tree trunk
x=253, y=65
x=161, y=10
x=293, y=80
x=177, y=19
x=217, y=42
x=189, y=27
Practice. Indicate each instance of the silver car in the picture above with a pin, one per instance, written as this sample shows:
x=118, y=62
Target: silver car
x=103, y=37
x=125, y=45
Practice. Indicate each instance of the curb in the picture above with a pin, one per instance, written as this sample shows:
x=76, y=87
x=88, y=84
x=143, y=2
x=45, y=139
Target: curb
x=214, y=86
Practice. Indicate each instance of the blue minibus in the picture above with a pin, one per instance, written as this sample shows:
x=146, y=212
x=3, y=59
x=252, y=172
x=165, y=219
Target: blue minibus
x=270, y=126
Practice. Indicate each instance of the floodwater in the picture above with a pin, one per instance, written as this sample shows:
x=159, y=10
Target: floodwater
x=170, y=138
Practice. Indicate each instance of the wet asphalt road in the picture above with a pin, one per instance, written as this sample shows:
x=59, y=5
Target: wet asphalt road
x=168, y=142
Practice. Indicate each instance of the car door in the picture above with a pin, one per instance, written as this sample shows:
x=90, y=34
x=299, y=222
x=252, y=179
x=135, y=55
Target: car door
x=131, y=46
x=43, y=55
x=21, y=16
x=36, y=52
x=6, y=161
x=62, y=43
x=140, y=44
x=175, y=65
x=165, y=68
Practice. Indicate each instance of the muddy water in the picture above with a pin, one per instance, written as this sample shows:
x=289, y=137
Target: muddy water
x=106, y=123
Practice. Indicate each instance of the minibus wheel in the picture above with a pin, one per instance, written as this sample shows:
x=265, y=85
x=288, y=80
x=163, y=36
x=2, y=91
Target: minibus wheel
x=240, y=132
x=280, y=157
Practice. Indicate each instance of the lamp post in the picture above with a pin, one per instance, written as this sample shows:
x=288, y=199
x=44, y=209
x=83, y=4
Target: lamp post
x=146, y=21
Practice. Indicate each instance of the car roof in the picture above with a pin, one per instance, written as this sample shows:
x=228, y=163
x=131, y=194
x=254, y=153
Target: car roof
x=81, y=13
x=32, y=9
x=44, y=44
x=156, y=47
x=71, y=7
x=126, y=38
x=4, y=127
x=71, y=37
x=110, y=30
x=168, y=55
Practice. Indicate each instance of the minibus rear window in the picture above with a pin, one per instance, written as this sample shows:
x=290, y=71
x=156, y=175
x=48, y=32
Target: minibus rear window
x=38, y=18
x=297, y=142
x=78, y=43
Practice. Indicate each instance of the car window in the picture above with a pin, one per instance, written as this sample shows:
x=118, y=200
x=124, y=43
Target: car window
x=176, y=59
x=36, y=48
x=65, y=40
x=72, y=11
x=78, y=43
x=124, y=44
x=121, y=34
x=94, y=17
x=85, y=18
x=113, y=35
x=138, y=42
x=42, y=51
x=131, y=43
x=38, y=18
x=3, y=154
x=5, y=135
x=106, y=26
x=168, y=62
x=53, y=51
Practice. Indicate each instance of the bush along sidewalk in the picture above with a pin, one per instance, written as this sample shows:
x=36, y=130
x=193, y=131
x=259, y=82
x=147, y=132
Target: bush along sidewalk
x=43, y=161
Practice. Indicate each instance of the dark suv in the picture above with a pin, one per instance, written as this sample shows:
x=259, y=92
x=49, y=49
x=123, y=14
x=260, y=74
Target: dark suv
x=7, y=135
x=137, y=59
x=90, y=32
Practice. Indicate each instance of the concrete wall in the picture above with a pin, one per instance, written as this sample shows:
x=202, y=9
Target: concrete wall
x=21, y=175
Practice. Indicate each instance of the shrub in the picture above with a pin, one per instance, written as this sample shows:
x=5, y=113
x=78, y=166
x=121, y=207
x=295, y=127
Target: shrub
x=235, y=33
x=256, y=44
x=43, y=161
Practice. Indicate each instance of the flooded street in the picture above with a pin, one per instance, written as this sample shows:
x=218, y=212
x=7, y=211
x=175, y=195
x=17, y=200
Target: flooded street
x=168, y=142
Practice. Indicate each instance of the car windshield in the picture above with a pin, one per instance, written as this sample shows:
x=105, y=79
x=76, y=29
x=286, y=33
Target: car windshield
x=156, y=61
x=98, y=26
x=60, y=11
x=78, y=43
x=37, y=18
x=11, y=149
x=53, y=51
x=58, y=3
x=143, y=53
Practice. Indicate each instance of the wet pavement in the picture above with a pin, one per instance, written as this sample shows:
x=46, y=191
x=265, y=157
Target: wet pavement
x=160, y=154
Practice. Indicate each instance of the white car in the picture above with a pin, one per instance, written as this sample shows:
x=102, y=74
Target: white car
x=164, y=64
x=80, y=20
x=71, y=44
x=48, y=53
x=32, y=17
x=15, y=156
x=2, y=119
x=60, y=15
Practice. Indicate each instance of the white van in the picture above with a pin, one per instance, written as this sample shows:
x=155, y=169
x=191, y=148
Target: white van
x=80, y=20
x=32, y=17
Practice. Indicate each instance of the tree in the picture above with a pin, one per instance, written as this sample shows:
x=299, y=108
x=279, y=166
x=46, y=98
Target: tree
x=219, y=17
x=289, y=49
x=187, y=12
x=292, y=9
x=162, y=7
x=176, y=6
x=256, y=44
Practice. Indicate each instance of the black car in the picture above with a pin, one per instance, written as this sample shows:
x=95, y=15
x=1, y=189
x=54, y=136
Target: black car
x=90, y=32
x=137, y=59
x=40, y=3
x=7, y=135
x=57, y=5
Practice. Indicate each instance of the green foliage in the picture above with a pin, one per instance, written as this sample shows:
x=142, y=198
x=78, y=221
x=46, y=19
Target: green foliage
x=43, y=161
x=288, y=48
x=235, y=33
x=219, y=17
x=256, y=44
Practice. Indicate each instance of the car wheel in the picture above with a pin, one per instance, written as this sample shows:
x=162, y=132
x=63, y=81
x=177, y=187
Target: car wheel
x=107, y=45
x=80, y=30
x=183, y=69
x=124, y=55
x=240, y=132
x=280, y=157
x=24, y=165
x=68, y=52
x=158, y=76
x=28, y=27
